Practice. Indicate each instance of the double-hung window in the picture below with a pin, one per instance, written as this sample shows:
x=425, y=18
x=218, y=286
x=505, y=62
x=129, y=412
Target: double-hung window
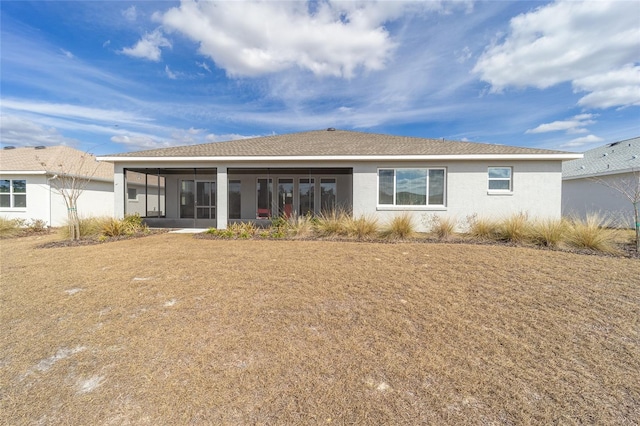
x=411, y=187
x=13, y=193
x=500, y=179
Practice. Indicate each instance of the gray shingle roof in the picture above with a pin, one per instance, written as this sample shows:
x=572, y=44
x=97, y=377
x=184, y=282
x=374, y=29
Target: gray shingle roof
x=56, y=159
x=323, y=143
x=614, y=157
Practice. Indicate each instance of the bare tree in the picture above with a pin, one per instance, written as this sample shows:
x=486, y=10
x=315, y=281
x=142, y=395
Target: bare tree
x=70, y=180
x=628, y=187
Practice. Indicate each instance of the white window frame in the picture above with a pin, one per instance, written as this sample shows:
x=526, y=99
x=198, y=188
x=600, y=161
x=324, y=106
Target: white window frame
x=395, y=206
x=11, y=195
x=509, y=179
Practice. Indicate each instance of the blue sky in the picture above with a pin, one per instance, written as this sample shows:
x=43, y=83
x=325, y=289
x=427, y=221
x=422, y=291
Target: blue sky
x=117, y=76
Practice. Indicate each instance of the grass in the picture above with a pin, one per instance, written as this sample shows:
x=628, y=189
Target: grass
x=362, y=227
x=548, y=232
x=174, y=330
x=592, y=234
x=515, y=228
x=9, y=227
x=442, y=227
x=483, y=228
x=400, y=227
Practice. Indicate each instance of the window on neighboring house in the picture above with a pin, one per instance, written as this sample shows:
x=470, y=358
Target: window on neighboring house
x=13, y=193
x=132, y=194
x=500, y=179
x=411, y=187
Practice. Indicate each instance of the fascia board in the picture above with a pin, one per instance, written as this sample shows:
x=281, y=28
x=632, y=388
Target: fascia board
x=353, y=158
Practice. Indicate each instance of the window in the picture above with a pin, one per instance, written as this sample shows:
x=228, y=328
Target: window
x=500, y=179
x=234, y=199
x=411, y=187
x=13, y=193
x=132, y=194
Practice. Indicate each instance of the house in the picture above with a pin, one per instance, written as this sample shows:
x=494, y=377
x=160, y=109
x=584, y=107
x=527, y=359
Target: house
x=586, y=182
x=29, y=177
x=366, y=174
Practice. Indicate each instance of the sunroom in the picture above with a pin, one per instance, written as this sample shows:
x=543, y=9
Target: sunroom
x=203, y=197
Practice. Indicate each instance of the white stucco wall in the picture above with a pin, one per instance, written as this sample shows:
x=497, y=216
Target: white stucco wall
x=45, y=203
x=536, y=191
x=583, y=196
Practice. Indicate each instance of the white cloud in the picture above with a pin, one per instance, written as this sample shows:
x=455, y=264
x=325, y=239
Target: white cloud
x=589, y=43
x=204, y=66
x=211, y=137
x=134, y=141
x=67, y=53
x=170, y=74
x=325, y=38
x=586, y=140
x=148, y=47
x=130, y=14
x=19, y=131
x=619, y=87
x=575, y=124
x=106, y=43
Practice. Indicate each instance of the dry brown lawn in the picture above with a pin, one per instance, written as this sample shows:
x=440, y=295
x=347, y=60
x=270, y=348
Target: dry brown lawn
x=170, y=329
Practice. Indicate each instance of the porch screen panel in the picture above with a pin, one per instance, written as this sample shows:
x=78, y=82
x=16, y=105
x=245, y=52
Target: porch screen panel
x=307, y=194
x=235, y=207
x=264, y=190
x=285, y=197
x=327, y=195
x=187, y=199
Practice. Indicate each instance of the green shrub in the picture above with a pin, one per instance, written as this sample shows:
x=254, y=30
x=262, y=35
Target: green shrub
x=548, y=232
x=592, y=234
x=400, y=227
x=362, y=227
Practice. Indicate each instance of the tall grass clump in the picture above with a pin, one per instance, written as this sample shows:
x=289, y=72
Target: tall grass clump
x=362, y=227
x=442, y=227
x=548, y=232
x=10, y=227
x=482, y=228
x=300, y=226
x=130, y=225
x=89, y=227
x=400, y=227
x=331, y=223
x=592, y=234
x=515, y=228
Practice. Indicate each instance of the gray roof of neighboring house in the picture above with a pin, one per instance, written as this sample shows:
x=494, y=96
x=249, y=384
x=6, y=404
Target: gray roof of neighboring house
x=325, y=143
x=54, y=159
x=617, y=157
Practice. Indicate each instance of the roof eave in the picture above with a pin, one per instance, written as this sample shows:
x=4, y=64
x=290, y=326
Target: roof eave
x=286, y=158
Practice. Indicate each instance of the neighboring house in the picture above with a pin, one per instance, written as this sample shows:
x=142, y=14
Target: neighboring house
x=27, y=183
x=365, y=174
x=586, y=182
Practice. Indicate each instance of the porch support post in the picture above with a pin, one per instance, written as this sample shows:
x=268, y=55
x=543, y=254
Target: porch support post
x=119, y=191
x=222, y=191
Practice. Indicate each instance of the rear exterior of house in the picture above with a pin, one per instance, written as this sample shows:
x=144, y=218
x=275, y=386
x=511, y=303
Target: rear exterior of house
x=28, y=190
x=587, y=183
x=212, y=185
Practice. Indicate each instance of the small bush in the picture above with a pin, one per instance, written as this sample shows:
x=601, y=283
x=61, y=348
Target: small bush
x=36, y=226
x=515, y=228
x=114, y=228
x=548, y=232
x=442, y=227
x=400, y=227
x=482, y=228
x=592, y=234
x=363, y=227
